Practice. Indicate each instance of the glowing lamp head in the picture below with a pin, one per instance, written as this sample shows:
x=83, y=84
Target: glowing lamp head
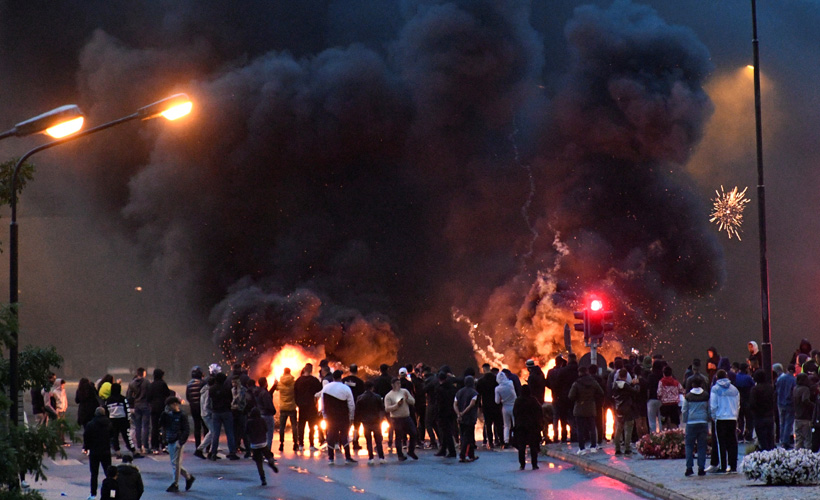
x=596, y=305
x=178, y=111
x=66, y=128
x=171, y=108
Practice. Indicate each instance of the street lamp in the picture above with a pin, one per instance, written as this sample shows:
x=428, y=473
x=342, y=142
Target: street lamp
x=171, y=108
x=766, y=345
x=58, y=123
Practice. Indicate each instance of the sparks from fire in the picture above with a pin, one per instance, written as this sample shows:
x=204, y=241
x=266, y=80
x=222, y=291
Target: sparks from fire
x=727, y=210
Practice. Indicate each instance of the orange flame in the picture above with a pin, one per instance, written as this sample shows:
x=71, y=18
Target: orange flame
x=290, y=356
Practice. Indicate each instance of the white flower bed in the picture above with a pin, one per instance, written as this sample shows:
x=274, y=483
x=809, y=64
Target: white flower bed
x=781, y=467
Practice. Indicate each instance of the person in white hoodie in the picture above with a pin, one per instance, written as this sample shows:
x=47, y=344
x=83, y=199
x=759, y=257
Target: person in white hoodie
x=724, y=404
x=505, y=396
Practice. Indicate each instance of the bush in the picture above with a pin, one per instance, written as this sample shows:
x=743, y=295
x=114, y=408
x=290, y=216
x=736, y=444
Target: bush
x=665, y=444
x=783, y=467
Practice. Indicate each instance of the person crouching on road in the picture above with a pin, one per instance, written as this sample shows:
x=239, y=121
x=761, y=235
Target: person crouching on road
x=397, y=403
x=258, y=436
x=175, y=425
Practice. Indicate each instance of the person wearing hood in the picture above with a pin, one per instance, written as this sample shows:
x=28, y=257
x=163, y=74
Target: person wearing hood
x=696, y=373
x=725, y=365
x=803, y=348
x=810, y=367
x=755, y=356
x=584, y=393
x=712, y=361
x=536, y=381
x=724, y=403
x=516, y=381
x=762, y=406
x=118, y=413
x=623, y=399
x=97, y=440
x=803, y=410
x=559, y=426
x=505, y=397
x=528, y=424
x=175, y=426
x=784, y=385
x=696, y=418
x=129, y=481
x=466, y=407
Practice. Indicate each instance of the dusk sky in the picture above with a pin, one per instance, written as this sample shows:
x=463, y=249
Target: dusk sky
x=366, y=175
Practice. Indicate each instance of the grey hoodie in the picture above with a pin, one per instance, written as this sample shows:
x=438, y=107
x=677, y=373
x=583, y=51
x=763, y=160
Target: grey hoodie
x=696, y=406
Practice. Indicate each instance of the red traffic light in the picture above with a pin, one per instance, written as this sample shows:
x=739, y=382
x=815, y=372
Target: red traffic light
x=596, y=304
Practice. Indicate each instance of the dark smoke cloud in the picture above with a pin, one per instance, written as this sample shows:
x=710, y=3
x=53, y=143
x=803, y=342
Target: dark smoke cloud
x=353, y=172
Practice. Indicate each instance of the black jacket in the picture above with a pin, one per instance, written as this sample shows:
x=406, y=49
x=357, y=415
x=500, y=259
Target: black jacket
x=369, y=408
x=445, y=394
x=264, y=401
x=97, y=436
x=158, y=392
x=382, y=385
x=304, y=390
x=175, y=424
x=129, y=482
x=193, y=391
x=529, y=421
x=486, y=393
x=537, y=383
x=762, y=401
x=356, y=385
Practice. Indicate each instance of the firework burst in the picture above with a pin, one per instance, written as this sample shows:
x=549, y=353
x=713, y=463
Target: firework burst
x=727, y=210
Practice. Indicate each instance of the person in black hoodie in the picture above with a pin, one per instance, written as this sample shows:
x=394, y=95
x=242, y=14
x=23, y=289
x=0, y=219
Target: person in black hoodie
x=118, y=413
x=370, y=412
x=565, y=378
x=260, y=447
x=762, y=406
x=305, y=389
x=430, y=383
x=558, y=424
x=357, y=388
x=493, y=418
x=158, y=392
x=221, y=398
x=445, y=394
x=97, y=440
x=129, y=481
x=528, y=424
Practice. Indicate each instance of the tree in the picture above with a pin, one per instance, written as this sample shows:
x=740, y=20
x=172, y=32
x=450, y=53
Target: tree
x=22, y=448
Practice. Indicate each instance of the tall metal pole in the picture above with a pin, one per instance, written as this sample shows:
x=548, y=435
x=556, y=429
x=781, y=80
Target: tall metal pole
x=14, y=384
x=766, y=346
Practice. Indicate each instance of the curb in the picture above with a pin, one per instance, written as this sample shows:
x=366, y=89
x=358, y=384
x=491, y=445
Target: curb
x=624, y=477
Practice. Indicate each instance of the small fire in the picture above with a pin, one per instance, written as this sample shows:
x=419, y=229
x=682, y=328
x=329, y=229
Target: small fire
x=609, y=428
x=290, y=356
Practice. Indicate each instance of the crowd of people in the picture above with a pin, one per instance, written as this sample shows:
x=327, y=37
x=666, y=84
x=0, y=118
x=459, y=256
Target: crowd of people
x=718, y=400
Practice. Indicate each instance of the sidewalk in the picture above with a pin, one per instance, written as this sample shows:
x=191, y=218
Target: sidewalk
x=665, y=479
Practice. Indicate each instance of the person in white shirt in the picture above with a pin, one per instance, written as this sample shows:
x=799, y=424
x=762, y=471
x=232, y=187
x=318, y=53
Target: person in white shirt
x=338, y=408
x=397, y=403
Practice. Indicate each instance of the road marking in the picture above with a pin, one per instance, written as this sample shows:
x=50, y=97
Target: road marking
x=67, y=461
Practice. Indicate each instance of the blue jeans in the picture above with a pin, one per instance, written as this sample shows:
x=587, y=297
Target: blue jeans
x=786, y=426
x=269, y=435
x=224, y=418
x=175, y=458
x=142, y=420
x=696, y=434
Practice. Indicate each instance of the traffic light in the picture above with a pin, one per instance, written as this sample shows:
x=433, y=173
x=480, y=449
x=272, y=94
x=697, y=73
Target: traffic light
x=599, y=320
x=582, y=327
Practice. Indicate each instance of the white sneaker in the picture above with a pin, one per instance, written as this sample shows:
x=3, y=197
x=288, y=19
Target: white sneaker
x=370, y=462
x=382, y=461
x=593, y=449
x=710, y=468
x=581, y=452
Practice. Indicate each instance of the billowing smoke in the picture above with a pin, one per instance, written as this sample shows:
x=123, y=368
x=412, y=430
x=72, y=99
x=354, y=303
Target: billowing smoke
x=349, y=187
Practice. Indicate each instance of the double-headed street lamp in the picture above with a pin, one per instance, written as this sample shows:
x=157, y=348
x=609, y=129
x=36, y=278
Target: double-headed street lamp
x=171, y=108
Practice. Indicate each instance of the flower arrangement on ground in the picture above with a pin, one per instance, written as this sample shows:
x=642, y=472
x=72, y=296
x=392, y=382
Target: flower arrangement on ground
x=665, y=444
x=783, y=467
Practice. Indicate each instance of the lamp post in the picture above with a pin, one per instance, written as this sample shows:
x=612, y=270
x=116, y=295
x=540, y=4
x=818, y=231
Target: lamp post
x=59, y=122
x=170, y=108
x=766, y=346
